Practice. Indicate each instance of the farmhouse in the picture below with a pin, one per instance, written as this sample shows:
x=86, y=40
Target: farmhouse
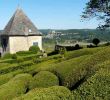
x=20, y=34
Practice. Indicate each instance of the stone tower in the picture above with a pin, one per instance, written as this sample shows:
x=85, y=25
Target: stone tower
x=19, y=34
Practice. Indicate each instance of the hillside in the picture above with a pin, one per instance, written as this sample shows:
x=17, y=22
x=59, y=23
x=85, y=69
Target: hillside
x=80, y=34
x=81, y=74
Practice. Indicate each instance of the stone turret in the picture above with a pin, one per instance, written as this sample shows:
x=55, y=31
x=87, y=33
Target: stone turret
x=20, y=33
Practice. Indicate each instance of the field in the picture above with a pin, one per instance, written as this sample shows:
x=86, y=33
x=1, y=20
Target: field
x=77, y=75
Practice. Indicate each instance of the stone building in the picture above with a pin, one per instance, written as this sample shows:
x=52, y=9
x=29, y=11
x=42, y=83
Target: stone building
x=19, y=34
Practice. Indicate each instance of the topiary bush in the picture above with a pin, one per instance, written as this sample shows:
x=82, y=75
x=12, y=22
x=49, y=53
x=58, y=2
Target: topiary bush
x=86, y=51
x=34, y=49
x=86, y=68
x=20, y=60
x=44, y=79
x=15, y=87
x=7, y=56
x=64, y=68
x=14, y=56
x=5, y=78
x=51, y=93
x=24, y=53
x=95, y=88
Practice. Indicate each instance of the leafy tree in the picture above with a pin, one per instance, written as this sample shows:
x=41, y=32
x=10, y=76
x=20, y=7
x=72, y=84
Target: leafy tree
x=99, y=9
x=77, y=46
x=96, y=41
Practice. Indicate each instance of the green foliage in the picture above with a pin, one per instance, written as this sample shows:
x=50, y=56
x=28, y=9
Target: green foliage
x=64, y=68
x=5, y=78
x=55, y=70
x=86, y=51
x=34, y=49
x=15, y=87
x=99, y=9
x=20, y=59
x=7, y=56
x=96, y=41
x=44, y=79
x=51, y=93
x=95, y=88
x=87, y=67
x=24, y=53
x=14, y=56
x=15, y=67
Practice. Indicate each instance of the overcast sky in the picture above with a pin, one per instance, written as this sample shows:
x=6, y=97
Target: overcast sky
x=46, y=14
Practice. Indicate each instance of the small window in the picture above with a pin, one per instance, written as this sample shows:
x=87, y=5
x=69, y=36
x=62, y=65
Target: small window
x=35, y=43
x=30, y=30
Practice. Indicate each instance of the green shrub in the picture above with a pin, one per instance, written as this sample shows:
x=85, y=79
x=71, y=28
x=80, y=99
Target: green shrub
x=15, y=67
x=14, y=56
x=63, y=68
x=86, y=51
x=24, y=53
x=34, y=49
x=15, y=87
x=20, y=60
x=5, y=78
x=44, y=79
x=7, y=56
x=95, y=88
x=96, y=41
x=51, y=93
x=87, y=67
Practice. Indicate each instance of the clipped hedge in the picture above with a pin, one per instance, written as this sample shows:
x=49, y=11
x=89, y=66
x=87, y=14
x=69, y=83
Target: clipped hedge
x=15, y=87
x=62, y=69
x=7, y=56
x=95, y=88
x=86, y=68
x=24, y=53
x=44, y=79
x=15, y=67
x=82, y=52
x=5, y=78
x=51, y=93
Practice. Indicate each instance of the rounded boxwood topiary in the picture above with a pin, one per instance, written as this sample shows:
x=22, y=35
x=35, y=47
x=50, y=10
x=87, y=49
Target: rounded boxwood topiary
x=51, y=93
x=44, y=79
x=34, y=49
x=14, y=56
x=15, y=87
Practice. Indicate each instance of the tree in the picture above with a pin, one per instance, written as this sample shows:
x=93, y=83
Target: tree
x=96, y=41
x=99, y=9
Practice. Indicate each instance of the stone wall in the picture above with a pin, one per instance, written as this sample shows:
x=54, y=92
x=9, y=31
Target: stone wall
x=23, y=43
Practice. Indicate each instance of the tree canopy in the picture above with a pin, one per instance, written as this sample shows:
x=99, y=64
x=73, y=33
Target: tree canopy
x=96, y=41
x=99, y=9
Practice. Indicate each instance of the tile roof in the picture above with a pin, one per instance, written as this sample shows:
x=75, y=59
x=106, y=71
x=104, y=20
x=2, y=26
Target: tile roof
x=20, y=25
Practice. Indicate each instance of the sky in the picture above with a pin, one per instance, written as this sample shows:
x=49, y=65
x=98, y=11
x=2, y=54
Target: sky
x=48, y=14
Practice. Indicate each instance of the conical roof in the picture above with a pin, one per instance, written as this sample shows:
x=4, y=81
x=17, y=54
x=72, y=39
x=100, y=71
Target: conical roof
x=20, y=25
